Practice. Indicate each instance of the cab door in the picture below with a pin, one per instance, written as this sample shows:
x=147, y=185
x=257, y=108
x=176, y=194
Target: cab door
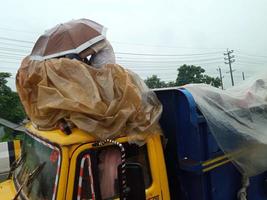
x=92, y=173
x=81, y=184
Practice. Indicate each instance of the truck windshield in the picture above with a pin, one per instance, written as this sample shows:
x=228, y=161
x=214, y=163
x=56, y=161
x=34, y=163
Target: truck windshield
x=37, y=151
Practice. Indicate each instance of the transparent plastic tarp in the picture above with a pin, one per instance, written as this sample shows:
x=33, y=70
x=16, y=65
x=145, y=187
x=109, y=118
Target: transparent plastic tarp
x=104, y=102
x=104, y=55
x=237, y=117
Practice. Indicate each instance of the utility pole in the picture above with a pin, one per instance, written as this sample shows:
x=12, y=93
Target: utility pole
x=229, y=60
x=243, y=75
x=220, y=72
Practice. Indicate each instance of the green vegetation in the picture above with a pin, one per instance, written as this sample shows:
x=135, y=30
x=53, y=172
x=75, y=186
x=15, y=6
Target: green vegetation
x=186, y=74
x=7, y=134
x=10, y=107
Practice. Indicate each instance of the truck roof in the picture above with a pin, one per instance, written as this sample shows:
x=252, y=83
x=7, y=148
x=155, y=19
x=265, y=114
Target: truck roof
x=58, y=137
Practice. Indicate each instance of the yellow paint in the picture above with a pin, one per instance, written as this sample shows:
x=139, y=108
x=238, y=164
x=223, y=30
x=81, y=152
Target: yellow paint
x=7, y=190
x=72, y=148
x=155, y=188
x=17, y=148
x=228, y=156
x=211, y=161
x=58, y=137
x=73, y=167
x=221, y=160
x=216, y=165
x=159, y=184
x=72, y=145
x=161, y=168
x=64, y=170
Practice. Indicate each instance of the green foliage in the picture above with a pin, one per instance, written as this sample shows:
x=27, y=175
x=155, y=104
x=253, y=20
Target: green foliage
x=7, y=134
x=189, y=74
x=186, y=74
x=10, y=107
x=195, y=74
x=171, y=84
x=155, y=82
x=216, y=82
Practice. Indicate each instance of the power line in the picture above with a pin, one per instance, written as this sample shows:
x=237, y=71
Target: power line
x=248, y=62
x=162, y=46
x=10, y=58
x=115, y=42
x=199, y=56
x=164, y=55
x=16, y=30
x=14, y=54
x=149, y=69
x=5, y=61
x=16, y=40
x=31, y=42
x=172, y=64
x=172, y=61
x=252, y=59
x=252, y=55
x=14, y=49
x=17, y=45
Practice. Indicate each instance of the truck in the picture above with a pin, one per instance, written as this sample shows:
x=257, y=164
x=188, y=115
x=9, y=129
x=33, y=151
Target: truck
x=182, y=162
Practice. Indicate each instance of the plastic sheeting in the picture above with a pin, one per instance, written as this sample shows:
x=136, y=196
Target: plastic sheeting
x=104, y=55
x=104, y=102
x=237, y=117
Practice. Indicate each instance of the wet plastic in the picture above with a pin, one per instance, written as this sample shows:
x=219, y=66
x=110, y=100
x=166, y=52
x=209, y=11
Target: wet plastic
x=237, y=117
x=103, y=56
x=105, y=102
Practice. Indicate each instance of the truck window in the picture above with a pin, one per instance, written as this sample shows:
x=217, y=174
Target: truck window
x=108, y=160
x=97, y=171
x=37, y=151
x=85, y=189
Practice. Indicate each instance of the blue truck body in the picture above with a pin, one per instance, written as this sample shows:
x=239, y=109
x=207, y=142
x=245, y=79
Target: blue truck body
x=190, y=146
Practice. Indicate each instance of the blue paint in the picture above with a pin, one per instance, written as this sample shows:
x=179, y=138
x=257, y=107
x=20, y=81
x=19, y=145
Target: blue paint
x=190, y=143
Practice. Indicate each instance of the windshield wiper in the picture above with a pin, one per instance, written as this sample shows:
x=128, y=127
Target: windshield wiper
x=16, y=164
x=29, y=179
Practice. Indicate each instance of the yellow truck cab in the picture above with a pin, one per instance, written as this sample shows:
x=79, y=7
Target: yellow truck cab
x=54, y=165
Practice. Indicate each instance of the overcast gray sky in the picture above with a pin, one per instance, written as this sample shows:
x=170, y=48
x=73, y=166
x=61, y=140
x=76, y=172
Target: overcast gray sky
x=184, y=28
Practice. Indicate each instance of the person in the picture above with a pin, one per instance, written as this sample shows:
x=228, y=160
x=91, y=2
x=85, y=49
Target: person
x=109, y=160
x=104, y=56
x=99, y=54
x=96, y=56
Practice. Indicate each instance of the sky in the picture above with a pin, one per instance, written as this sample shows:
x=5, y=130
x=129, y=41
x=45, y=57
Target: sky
x=163, y=33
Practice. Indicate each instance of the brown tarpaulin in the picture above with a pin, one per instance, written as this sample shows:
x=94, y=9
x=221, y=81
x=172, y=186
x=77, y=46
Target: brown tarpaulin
x=104, y=102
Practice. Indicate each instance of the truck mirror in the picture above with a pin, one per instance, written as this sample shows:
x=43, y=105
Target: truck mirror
x=134, y=180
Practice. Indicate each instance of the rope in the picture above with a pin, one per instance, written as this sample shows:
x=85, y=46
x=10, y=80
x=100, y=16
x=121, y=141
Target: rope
x=123, y=163
x=242, y=193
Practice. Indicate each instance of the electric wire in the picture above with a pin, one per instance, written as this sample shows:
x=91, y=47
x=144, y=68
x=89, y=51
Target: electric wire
x=164, y=55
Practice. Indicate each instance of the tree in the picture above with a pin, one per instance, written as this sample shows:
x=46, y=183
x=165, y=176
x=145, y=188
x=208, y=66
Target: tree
x=186, y=74
x=155, y=82
x=216, y=82
x=195, y=74
x=171, y=84
x=10, y=107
